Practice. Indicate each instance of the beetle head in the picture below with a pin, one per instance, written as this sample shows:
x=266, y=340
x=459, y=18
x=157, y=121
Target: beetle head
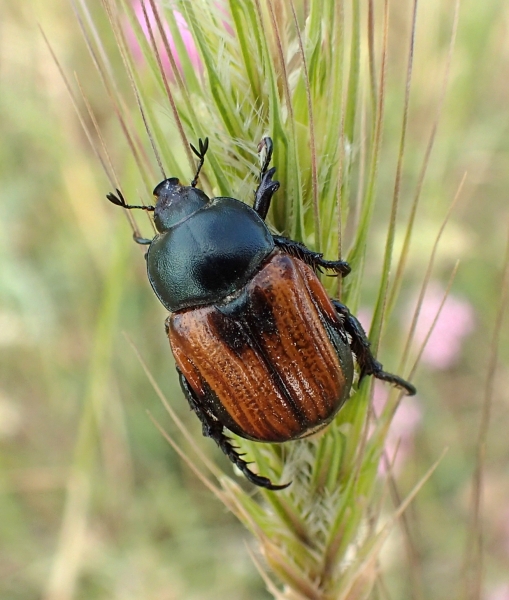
x=176, y=202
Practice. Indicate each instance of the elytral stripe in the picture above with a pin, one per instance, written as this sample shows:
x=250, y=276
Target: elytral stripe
x=234, y=371
x=294, y=340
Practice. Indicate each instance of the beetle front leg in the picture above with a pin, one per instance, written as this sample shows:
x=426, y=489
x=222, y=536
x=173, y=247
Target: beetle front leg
x=361, y=348
x=212, y=428
x=314, y=259
x=141, y=240
x=266, y=188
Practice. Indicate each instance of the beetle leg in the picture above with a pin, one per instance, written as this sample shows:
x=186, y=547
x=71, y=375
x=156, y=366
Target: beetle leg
x=264, y=192
x=267, y=145
x=314, y=259
x=361, y=348
x=212, y=428
x=266, y=188
x=141, y=240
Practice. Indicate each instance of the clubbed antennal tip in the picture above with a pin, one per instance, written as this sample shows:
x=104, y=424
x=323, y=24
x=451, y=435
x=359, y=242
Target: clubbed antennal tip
x=204, y=146
x=119, y=200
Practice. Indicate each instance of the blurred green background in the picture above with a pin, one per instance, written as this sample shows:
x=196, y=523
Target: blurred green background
x=93, y=501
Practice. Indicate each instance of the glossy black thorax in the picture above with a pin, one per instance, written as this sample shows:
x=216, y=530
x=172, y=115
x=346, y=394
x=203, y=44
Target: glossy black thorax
x=208, y=255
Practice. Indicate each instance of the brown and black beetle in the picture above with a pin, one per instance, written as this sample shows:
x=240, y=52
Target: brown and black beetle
x=260, y=347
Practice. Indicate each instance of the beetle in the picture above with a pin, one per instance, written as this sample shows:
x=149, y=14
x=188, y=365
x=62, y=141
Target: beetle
x=261, y=350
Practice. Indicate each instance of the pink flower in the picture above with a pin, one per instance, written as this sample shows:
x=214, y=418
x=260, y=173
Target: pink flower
x=501, y=592
x=455, y=322
x=187, y=38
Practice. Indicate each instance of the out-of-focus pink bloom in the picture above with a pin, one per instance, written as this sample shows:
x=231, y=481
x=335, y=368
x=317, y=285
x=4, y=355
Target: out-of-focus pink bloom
x=405, y=422
x=501, y=592
x=455, y=322
x=187, y=38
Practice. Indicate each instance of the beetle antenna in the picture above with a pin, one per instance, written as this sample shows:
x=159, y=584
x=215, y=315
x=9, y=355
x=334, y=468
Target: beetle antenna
x=204, y=146
x=267, y=145
x=119, y=200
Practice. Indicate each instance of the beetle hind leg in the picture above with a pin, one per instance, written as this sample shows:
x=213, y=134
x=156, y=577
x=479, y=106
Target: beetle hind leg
x=213, y=429
x=361, y=348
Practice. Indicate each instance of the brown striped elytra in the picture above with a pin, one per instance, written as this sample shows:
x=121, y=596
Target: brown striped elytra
x=300, y=376
x=260, y=347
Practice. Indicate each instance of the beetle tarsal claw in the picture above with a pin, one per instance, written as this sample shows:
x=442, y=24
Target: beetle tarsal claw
x=275, y=488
